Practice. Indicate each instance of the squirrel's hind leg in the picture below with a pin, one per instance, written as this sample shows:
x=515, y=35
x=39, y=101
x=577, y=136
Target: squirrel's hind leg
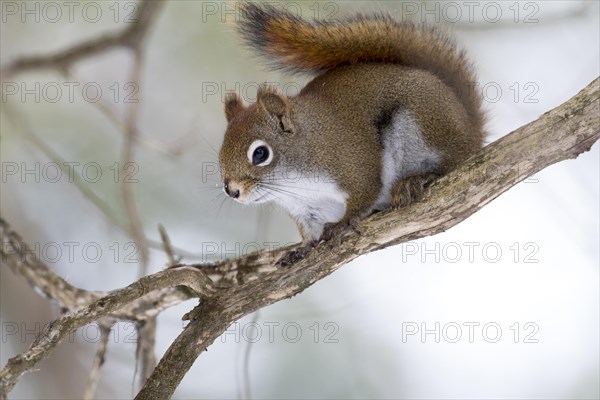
x=410, y=189
x=334, y=231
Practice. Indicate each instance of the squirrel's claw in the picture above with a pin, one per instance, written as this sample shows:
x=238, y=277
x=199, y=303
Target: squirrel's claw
x=332, y=231
x=295, y=255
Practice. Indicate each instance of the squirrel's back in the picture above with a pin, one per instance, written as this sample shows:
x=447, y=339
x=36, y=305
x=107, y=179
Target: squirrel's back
x=298, y=46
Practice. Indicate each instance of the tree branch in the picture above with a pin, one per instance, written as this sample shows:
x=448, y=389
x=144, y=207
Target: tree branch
x=560, y=134
x=23, y=262
x=58, y=329
x=234, y=288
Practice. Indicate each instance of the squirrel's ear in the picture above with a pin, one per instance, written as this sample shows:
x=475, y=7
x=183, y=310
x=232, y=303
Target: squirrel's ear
x=275, y=104
x=233, y=105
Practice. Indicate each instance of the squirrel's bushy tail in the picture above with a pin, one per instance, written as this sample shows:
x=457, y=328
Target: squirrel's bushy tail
x=298, y=46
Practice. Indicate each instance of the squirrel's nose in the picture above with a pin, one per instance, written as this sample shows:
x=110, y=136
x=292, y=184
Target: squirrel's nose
x=231, y=193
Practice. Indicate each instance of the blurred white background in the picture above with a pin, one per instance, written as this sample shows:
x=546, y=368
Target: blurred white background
x=525, y=268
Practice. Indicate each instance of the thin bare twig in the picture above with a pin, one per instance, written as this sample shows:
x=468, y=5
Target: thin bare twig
x=146, y=329
x=74, y=175
x=167, y=246
x=171, y=149
x=63, y=60
x=132, y=38
x=131, y=132
x=144, y=353
x=94, y=374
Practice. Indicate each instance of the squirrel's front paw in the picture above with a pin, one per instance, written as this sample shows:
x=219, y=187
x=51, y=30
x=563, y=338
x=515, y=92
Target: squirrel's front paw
x=295, y=255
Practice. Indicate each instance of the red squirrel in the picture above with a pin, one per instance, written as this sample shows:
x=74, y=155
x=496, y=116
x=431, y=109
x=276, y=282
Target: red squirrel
x=387, y=112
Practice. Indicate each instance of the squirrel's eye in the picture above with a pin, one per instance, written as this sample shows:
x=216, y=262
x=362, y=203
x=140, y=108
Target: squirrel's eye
x=260, y=153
